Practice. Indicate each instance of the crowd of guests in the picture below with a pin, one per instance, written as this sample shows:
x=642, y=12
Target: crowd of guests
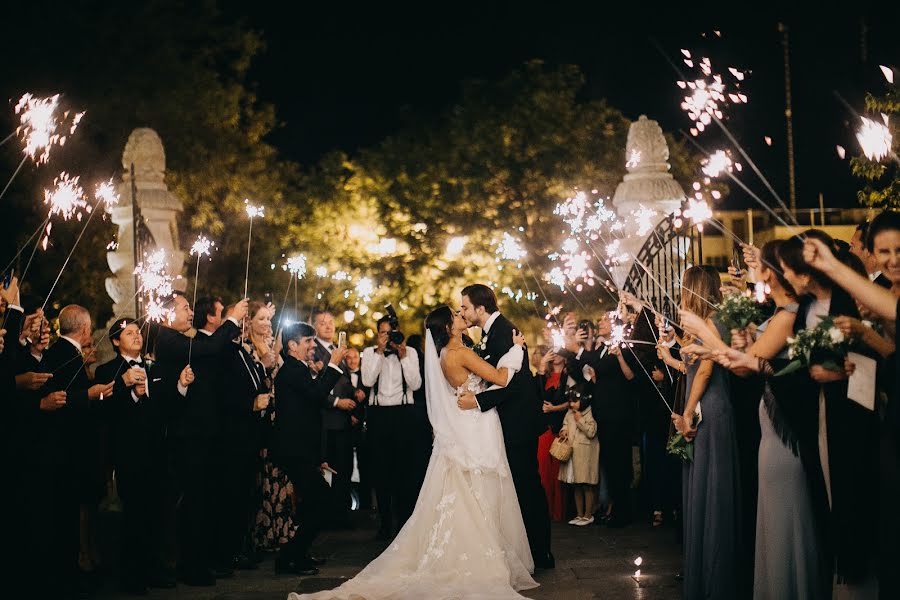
x=209, y=434
x=790, y=482
x=221, y=435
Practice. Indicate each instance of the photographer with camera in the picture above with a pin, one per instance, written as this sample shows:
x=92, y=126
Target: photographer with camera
x=391, y=370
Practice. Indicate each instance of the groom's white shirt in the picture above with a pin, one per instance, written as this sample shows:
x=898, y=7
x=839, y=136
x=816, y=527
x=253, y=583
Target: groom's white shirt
x=487, y=324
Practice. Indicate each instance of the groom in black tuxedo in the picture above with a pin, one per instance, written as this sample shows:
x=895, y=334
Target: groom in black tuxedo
x=520, y=414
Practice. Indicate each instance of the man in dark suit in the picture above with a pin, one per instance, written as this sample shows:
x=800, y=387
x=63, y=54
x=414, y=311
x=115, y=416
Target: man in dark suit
x=58, y=409
x=337, y=435
x=351, y=386
x=519, y=408
x=613, y=404
x=192, y=432
x=136, y=412
x=296, y=443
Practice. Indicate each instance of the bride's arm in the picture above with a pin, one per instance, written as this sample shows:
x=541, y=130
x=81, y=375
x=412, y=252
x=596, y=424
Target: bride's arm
x=475, y=364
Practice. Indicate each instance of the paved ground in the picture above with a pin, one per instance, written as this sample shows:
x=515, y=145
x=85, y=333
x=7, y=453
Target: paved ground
x=592, y=562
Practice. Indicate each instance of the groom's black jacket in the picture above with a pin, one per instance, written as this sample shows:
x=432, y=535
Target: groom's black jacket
x=517, y=404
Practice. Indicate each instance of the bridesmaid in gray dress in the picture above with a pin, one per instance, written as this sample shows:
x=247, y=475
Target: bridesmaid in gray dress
x=710, y=483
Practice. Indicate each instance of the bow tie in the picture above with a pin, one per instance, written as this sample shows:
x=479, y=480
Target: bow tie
x=134, y=363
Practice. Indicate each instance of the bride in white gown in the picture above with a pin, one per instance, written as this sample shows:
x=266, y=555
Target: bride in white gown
x=465, y=538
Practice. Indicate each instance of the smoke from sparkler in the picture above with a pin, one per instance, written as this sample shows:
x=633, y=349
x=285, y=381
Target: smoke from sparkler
x=39, y=127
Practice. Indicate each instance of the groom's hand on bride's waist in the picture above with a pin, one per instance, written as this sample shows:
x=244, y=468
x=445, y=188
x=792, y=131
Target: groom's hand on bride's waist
x=466, y=401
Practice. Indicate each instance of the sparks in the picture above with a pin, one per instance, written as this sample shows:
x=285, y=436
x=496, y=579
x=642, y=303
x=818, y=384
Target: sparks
x=698, y=212
x=365, y=288
x=254, y=211
x=40, y=128
x=559, y=340
x=709, y=95
x=644, y=218
x=614, y=253
x=510, y=248
x=106, y=193
x=557, y=277
x=156, y=284
x=719, y=162
x=296, y=265
x=875, y=139
x=67, y=198
x=321, y=272
x=201, y=246
x=634, y=159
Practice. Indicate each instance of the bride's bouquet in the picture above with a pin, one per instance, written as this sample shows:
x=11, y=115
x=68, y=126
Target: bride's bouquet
x=824, y=345
x=738, y=311
x=681, y=447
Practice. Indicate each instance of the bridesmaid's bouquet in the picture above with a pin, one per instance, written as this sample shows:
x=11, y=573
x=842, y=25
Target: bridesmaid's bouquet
x=824, y=345
x=681, y=447
x=738, y=311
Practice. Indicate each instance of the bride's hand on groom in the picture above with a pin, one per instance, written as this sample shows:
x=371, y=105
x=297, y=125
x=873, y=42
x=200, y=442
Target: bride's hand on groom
x=517, y=338
x=466, y=401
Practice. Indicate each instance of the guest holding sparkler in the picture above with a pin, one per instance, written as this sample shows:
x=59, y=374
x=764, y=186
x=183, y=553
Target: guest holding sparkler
x=710, y=482
x=193, y=431
x=610, y=377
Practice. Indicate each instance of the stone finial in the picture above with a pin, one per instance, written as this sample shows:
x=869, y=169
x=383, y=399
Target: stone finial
x=145, y=150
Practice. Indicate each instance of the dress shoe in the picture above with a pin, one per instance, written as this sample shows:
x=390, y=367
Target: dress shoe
x=290, y=567
x=547, y=561
x=198, y=577
x=318, y=562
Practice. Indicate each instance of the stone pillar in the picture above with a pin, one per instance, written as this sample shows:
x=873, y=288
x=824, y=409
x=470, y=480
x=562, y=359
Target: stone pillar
x=160, y=210
x=648, y=184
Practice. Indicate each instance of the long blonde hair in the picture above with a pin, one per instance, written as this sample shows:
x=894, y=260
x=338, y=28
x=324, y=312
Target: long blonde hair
x=700, y=293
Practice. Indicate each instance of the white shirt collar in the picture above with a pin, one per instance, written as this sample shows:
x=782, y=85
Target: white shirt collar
x=131, y=358
x=324, y=342
x=71, y=341
x=487, y=324
x=204, y=332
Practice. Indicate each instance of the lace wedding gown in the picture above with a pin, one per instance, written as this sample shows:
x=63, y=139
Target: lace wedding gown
x=465, y=538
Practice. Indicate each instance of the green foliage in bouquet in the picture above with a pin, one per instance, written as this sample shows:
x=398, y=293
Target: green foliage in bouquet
x=824, y=345
x=737, y=311
x=681, y=447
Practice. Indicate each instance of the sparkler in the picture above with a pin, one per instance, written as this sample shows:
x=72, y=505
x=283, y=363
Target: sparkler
x=156, y=284
x=66, y=201
x=40, y=129
x=698, y=211
x=365, y=288
x=719, y=162
x=200, y=247
x=875, y=138
x=252, y=212
x=106, y=192
x=510, y=248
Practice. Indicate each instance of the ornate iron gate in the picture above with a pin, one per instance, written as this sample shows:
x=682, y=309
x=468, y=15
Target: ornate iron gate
x=655, y=277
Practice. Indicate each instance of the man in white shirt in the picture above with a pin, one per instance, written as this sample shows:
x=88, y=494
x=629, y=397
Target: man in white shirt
x=391, y=370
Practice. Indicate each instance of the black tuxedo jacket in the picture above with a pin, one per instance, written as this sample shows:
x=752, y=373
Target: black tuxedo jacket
x=137, y=429
x=345, y=389
x=612, y=396
x=242, y=379
x=57, y=432
x=334, y=419
x=298, y=411
x=199, y=417
x=518, y=404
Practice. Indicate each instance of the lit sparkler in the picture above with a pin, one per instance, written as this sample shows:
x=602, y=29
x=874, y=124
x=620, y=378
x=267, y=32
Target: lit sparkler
x=296, y=265
x=719, y=162
x=66, y=199
x=106, y=193
x=365, y=288
x=644, y=217
x=510, y=248
x=875, y=138
x=252, y=212
x=698, y=211
x=40, y=128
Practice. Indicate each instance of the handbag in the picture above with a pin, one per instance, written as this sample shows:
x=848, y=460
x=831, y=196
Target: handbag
x=561, y=448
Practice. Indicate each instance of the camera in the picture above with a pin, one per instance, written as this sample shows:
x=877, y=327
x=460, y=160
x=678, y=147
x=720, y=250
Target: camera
x=395, y=336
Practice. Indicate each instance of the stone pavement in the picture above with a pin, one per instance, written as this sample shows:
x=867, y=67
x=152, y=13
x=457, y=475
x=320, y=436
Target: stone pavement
x=591, y=562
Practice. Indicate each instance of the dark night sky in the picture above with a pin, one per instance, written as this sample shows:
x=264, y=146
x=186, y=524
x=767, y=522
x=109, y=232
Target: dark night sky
x=344, y=77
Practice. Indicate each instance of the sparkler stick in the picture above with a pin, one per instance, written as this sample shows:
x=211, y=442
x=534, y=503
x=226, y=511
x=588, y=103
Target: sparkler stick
x=7, y=138
x=200, y=247
x=252, y=211
x=72, y=251
x=16, y=172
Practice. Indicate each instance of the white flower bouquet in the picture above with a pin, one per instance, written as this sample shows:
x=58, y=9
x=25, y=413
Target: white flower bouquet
x=824, y=345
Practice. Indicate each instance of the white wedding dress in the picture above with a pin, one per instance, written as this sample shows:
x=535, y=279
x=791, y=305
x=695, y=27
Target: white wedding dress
x=465, y=538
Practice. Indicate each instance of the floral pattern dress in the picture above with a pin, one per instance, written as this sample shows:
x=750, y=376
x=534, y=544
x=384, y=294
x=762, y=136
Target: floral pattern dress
x=274, y=524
